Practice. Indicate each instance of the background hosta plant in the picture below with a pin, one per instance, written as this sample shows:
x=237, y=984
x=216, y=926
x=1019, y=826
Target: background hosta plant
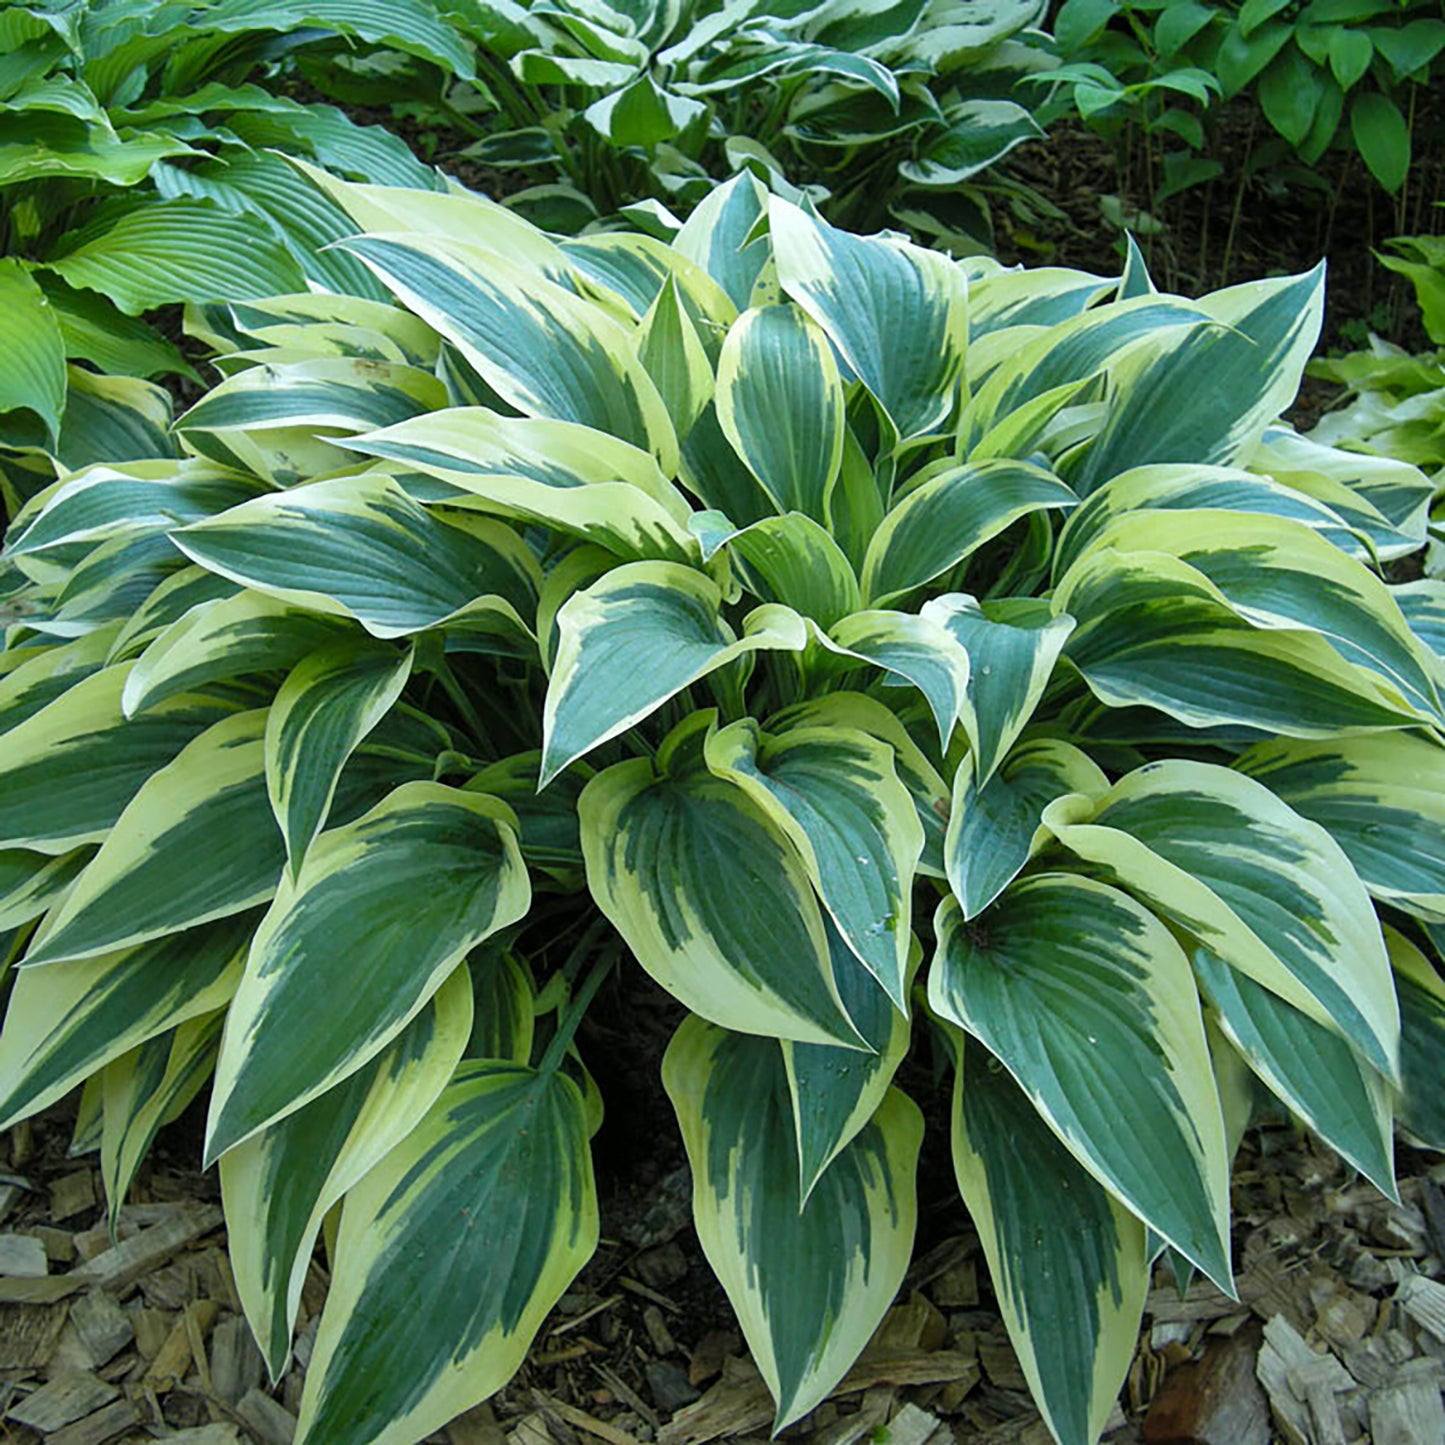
x=864, y=644
x=136, y=171
x=884, y=111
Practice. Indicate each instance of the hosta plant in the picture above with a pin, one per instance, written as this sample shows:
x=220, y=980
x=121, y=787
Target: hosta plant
x=871, y=648
x=136, y=171
x=880, y=109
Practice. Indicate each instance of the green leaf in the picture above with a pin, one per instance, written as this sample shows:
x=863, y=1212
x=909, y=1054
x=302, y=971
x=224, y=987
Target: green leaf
x=167, y=251
x=71, y=767
x=1068, y=1261
x=1266, y=889
x=31, y=882
x=994, y=828
x=1350, y=54
x=396, y=899
x=1012, y=648
x=279, y=1185
x=1422, y=1041
x=559, y=474
x=223, y=638
x=1312, y=1069
x=1382, y=136
x=836, y=1091
x=810, y=1280
x=636, y=638
x=1089, y=1003
x=642, y=114
x=33, y=378
x=67, y=1020
x=676, y=359
x=197, y=842
x=489, y=1208
x=780, y=403
x=1289, y=91
x=545, y=350
x=717, y=236
x=834, y=793
x=146, y=1088
x=360, y=547
x=1382, y=799
x=916, y=649
x=329, y=702
x=945, y=519
x=979, y=134
x=896, y=313
x=793, y=560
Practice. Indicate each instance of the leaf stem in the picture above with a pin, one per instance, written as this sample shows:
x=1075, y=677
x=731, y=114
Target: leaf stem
x=567, y=1024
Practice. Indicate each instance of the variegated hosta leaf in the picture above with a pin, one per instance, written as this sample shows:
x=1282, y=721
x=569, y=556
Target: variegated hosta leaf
x=917, y=649
x=809, y=1281
x=1311, y=1068
x=224, y=638
x=503, y=1007
x=1090, y=1004
x=329, y=702
x=835, y=795
x=196, y=843
x=789, y=559
x=928, y=791
x=995, y=829
x=380, y=912
x=281, y=420
x=360, y=547
x=634, y=271
x=676, y=358
x=66, y=1020
x=836, y=1091
x=1266, y=889
x=557, y=473
x=1012, y=647
x=1155, y=632
x=147, y=1088
x=71, y=767
x=948, y=517
x=1382, y=799
x=31, y=677
x=1421, y=1105
x=544, y=349
x=634, y=639
x=1250, y=364
x=278, y=1186
x=31, y=882
x=712, y=899
x=487, y=1210
x=168, y=602
x=1277, y=573
x=896, y=313
x=1068, y=1261
x=719, y=235
x=780, y=403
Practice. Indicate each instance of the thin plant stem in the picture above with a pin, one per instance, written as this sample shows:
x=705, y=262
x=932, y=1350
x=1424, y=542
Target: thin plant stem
x=575, y=1012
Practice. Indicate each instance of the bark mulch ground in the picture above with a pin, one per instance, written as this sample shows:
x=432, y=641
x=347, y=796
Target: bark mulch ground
x=1338, y=1334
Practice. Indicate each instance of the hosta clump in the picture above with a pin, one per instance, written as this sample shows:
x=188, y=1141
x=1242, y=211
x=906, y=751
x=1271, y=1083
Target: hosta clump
x=861, y=643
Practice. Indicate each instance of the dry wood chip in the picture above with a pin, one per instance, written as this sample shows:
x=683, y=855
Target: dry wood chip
x=657, y=1331
x=477, y=1427
x=530, y=1430
x=220, y=1432
x=22, y=1256
x=126, y=1262
x=62, y=1400
x=1214, y=1401
x=236, y=1363
x=712, y=1349
x=59, y=1244
x=169, y=1367
x=151, y=1329
x=104, y=1328
x=1424, y=1301
x=917, y=1324
x=273, y=1424
x=95, y=1429
x=71, y=1194
x=912, y=1426
x=38, y=1291
x=29, y=1334
x=1409, y=1413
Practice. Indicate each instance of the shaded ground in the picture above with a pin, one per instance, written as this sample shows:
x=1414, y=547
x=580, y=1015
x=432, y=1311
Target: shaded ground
x=1338, y=1336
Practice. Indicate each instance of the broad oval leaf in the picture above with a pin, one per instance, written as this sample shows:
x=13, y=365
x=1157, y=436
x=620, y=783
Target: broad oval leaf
x=1266, y=889
x=380, y=912
x=809, y=1281
x=278, y=1186
x=488, y=1209
x=1089, y=1003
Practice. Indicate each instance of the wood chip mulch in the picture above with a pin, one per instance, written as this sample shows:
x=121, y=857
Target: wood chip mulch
x=1338, y=1335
